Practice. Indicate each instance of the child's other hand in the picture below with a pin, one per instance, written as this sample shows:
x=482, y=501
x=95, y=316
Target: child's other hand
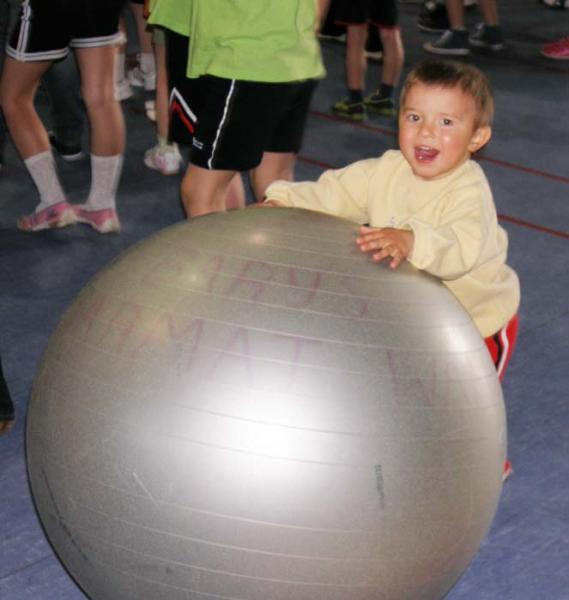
x=384, y=242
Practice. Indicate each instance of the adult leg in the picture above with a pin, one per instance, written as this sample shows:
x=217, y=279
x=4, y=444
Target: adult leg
x=274, y=165
x=164, y=156
x=18, y=87
x=106, y=123
x=393, y=55
x=355, y=68
x=205, y=191
x=144, y=75
x=355, y=63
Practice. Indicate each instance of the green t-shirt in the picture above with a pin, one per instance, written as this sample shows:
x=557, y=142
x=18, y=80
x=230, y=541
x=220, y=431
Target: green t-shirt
x=171, y=14
x=255, y=40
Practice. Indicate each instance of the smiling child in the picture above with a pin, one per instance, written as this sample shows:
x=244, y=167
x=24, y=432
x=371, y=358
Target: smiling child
x=429, y=203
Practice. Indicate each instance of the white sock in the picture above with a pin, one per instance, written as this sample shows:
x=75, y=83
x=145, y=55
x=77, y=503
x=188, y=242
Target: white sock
x=147, y=62
x=44, y=174
x=105, y=175
x=120, y=60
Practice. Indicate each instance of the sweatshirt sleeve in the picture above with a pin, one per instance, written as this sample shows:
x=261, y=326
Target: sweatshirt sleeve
x=342, y=192
x=452, y=247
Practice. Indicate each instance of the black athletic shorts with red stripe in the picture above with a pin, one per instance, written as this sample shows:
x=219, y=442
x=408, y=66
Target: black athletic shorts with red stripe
x=47, y=29
x=501, y=345
x=230, y=123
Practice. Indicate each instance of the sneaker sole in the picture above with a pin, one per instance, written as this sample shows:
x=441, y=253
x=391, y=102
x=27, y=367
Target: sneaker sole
x=349, y=117
x=493, y=47
x=554, y=57
x=66, y=218
x=447, y=51
x=110, y=225
x=71, y=157
x=152, y=166
x=381, y=112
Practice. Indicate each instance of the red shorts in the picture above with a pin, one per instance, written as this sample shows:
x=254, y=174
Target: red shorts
x=502, y=344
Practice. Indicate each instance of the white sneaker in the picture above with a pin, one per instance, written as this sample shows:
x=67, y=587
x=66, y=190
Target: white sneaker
x=166, y=159
x=122, y=90
x=139, y=78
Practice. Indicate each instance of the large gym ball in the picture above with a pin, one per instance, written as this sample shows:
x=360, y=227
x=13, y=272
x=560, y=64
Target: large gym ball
x=245, y=407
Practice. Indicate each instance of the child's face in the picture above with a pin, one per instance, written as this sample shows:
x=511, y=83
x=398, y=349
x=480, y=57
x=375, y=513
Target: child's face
x=437, y=131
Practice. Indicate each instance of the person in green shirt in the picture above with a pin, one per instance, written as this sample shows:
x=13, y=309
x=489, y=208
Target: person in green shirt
x=255, y=64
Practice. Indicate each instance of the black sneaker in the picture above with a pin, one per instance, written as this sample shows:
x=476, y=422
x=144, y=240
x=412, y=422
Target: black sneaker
x=381, y=106
x=69, y=152
x=349, y=110
x=433, y=17
x=487, y=36
x=453, y=42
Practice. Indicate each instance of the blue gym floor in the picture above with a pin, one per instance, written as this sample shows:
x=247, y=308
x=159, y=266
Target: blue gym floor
x=526, y=554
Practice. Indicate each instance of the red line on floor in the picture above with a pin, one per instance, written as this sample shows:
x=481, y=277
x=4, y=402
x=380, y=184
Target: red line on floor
x=502, y=217
x=495, y=161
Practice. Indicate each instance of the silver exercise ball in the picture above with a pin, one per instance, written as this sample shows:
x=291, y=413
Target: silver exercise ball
x=245, y=407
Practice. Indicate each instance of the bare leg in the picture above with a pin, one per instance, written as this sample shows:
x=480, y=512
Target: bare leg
x=205, y=191
x=393, y=55
x=104, y=112
x=274, y=165
x=162, y=103
x=107, y=137
x=355, y=57
x=490, y=11
x=18, y=88
x=455, y=9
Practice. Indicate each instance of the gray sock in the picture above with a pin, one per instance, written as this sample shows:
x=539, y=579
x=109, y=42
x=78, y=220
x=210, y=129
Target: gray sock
x=105, y=175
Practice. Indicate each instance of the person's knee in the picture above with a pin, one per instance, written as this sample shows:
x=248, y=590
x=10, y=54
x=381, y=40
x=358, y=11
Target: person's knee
x=98, y=98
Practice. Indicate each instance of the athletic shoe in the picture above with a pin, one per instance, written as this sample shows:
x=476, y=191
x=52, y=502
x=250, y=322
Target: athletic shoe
x=556, y=4
x=508, y=470
x=139, y=78
x=69, y=152
x=558, y=50
x=381, y=106
x=123, y=91
x=350, y=110
x=166, y=159
x=433, y=17
x=453, y=42
x=104, y=220
x=57, y=215
x=488, y=37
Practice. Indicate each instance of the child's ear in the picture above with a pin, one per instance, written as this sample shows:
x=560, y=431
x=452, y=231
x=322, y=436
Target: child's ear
x=479, y=138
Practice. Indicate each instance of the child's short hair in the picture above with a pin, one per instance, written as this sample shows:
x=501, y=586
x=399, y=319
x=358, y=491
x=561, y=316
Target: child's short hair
x=451, y=73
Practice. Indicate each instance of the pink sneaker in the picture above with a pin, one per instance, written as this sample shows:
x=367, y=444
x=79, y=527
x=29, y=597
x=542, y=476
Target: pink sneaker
x=104, y=220
x=57, y=215
x=558, y=50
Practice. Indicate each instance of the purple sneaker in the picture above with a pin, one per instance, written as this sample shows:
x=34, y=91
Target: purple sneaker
x=57, y=215
x=104, y=220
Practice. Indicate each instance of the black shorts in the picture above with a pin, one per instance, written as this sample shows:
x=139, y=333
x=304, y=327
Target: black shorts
x=382, y=13
x=228, y=123
x=184, y=92
x=46, y=29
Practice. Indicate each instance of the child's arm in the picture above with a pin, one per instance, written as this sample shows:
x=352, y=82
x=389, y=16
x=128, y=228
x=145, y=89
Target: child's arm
x=342, y=192
x=386, y=242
